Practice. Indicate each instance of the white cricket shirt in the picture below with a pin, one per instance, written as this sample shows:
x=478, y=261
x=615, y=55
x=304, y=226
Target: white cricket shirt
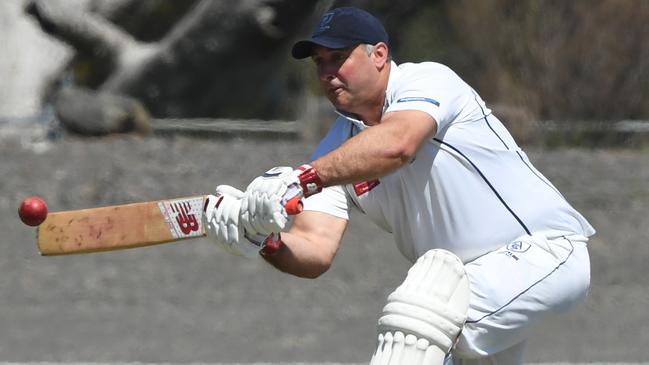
x=470, y=189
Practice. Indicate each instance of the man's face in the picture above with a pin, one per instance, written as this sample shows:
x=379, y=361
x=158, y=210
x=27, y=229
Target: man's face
x=347, y=76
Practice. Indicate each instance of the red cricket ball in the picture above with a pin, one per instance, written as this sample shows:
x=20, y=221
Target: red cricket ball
x=33, y=211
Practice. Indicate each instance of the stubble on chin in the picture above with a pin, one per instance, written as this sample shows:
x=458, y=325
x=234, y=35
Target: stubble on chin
x=340, y=98
x=340, y=103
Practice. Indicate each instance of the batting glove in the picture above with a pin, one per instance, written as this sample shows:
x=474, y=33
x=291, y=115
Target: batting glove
x=222, y=212
x=262, y=207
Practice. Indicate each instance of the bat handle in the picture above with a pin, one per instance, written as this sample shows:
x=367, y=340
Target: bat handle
x=294, y=206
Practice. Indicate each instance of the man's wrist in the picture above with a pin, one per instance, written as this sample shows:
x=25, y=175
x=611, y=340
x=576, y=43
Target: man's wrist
x=272, y=245
x=309, y=180
x=268, y=245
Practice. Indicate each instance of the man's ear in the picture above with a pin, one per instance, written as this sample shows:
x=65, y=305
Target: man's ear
x=380, y=54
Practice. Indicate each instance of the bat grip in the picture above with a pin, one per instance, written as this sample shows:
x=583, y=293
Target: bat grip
x=294, y=206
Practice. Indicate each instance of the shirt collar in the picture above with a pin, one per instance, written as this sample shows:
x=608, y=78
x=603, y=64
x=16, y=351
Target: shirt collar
x=353, y=119
x=395, y=73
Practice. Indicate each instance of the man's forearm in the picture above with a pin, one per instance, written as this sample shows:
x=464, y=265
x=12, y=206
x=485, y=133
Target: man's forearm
x=370, y=154
x=297, y=256
x=376, y=151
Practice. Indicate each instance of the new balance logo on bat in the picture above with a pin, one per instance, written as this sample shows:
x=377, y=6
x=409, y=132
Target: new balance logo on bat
x=186, y=221
x=183, y=216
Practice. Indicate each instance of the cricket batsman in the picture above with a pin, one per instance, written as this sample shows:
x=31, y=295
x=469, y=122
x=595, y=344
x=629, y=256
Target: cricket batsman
x=495, y=248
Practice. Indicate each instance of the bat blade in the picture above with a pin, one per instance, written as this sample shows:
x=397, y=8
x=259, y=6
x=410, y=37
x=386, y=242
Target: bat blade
x=121, y=226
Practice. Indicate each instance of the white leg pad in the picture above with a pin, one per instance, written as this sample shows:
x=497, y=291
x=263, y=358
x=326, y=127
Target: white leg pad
x=425, y=314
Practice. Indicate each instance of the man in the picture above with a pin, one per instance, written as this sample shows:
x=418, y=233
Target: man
x=495, y=247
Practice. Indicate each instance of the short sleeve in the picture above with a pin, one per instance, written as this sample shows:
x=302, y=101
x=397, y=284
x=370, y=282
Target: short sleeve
x=331, y=200
x=433, y=89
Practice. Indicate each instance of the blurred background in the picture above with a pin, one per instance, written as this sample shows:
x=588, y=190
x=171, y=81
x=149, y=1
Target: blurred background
x=114, y=101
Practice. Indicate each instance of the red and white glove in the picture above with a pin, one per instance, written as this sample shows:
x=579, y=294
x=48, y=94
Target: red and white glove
x=222, y=212
x=262, y=205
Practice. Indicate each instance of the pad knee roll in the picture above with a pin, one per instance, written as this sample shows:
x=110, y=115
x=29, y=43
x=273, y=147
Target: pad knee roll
x=429, y=307
x=401, y=349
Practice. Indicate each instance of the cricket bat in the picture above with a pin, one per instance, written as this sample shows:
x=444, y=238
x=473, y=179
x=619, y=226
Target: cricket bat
x=126, y=226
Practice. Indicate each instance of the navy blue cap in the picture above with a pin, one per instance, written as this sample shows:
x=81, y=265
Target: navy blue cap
x=341, y=28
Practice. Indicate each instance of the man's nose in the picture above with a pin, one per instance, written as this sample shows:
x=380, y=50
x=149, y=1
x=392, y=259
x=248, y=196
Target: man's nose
x=326, y=72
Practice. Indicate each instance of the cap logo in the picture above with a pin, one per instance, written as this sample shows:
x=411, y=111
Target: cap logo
x=325, y=22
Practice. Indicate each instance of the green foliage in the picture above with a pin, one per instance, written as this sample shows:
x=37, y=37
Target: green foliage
x=560, y=60
x=427, y=36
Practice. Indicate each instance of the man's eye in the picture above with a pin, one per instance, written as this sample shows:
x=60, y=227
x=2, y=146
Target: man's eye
x=337, y=57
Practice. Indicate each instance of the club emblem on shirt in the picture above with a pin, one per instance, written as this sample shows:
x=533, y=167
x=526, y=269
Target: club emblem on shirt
x=518, y=246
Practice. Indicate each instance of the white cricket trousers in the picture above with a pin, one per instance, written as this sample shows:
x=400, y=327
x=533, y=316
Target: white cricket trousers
x=515, y=288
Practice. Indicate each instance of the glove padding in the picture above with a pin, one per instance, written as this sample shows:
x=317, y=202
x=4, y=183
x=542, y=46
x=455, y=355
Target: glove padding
x=262, y=207
x=262, y=210
x=222, y=212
